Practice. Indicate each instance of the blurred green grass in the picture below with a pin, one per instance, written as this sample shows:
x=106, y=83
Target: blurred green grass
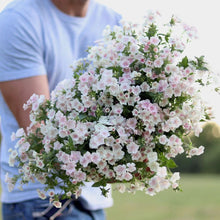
x=200, y=200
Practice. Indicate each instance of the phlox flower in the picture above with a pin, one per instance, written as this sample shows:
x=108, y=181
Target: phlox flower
x=80, y=176
x=197, y=129
x=95, y=158
x=51, y=193
x=132, y=148
x=127, y=176
x=150, y=191
x=102, y=164
x=57, y=145
x=39, y=163
x=163, y=139
x=19, y=133
x=9, y=182
x=96, y=141
x=75, y=156
x=120, y=170
x=152, y=157
x=41, y=194
x=57, y=204
x=120, y=46
x=81, y=129
x=196, y=151
x=162, y=172
x=86, y=159
x=118, y=155
x=51, y=113
x=117, y=109
x=175, y=177
x=131, y=123
x=162, y=86
x=131, y=167
x=158, y=62
x=154, y=166
x=154, y=40
x=125, y=63
x=121, y=187
x=24, y=157
x=70, y=167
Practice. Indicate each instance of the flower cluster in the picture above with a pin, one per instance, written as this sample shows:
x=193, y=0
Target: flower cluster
x=121, y=119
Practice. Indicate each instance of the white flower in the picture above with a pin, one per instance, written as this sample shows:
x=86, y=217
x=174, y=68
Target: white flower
x=196, y=151
x=175, y=177
x=132, y=148
x=152, y=157
x=154, y=166
x=57, y=204
x=19, y=133
x=121, y=188
x=41, y=194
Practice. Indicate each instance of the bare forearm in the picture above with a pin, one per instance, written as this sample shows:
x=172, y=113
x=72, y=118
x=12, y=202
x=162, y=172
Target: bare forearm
x=17, y=92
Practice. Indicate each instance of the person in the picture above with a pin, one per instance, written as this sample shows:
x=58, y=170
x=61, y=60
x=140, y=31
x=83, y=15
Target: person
x=39, y=41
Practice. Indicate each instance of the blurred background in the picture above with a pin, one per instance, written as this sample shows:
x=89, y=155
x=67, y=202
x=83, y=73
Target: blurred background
x=200, y=179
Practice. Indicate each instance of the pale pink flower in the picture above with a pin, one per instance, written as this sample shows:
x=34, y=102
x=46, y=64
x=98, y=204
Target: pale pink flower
x=150, y=191
x=127, y=176
x=125, y=63
x=75, y=156
x=96, y=141
x=131, y=123
x=121, y=188
x=78, y=193
x=85, y=159
x=23, y=157
x=80, y=176
x=39, y=163
x=196, y=151
x=162, y=86
x=118, y=155
x=131, y=167
x=155, y=40
x=163, y=139
x=132, y=148
x=57, y=145
x=120, y=46
x=162, y=172
x=117, y=109
x=13, y=136
x=51, y=114
x=95, y=158
x=57, y=204
x=136, y=156
x=19, y=133
x=41, y=194
x=51, y=193
x=158, y=62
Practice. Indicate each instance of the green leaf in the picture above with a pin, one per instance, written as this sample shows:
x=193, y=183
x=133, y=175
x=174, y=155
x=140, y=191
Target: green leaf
x=171, y=164
x=184, y=63
x=100, y=183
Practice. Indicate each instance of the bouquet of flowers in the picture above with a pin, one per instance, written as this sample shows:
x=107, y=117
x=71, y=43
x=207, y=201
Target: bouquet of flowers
x=121, y=119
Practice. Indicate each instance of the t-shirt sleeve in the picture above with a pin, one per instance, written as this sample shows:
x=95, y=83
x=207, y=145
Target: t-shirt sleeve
x=21, y=49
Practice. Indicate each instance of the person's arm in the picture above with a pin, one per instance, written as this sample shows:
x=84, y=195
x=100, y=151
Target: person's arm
x=17, y=92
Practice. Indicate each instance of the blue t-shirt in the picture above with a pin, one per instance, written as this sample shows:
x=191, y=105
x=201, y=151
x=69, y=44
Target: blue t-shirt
x=35, y=39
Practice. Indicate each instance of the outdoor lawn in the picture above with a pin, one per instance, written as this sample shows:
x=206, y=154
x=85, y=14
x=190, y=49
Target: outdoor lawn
x=200, y=200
